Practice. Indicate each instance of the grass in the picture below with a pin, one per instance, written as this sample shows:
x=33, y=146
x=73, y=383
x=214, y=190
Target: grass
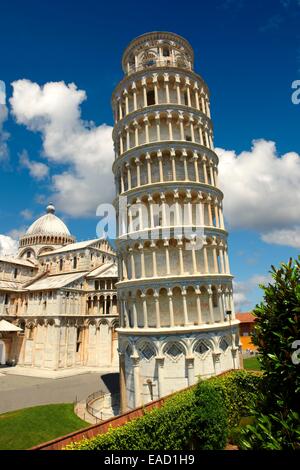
x=251, y=363
x=28, y=427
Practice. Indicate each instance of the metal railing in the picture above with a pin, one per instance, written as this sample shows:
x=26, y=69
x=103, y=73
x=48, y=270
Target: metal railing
x=95, y=412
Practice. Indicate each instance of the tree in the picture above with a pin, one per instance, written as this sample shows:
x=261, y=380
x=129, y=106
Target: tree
x=277, y=334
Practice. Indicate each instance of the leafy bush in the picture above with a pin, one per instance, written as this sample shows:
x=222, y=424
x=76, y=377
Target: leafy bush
x=209, y=419
x=277, y=327
x=239, y=390
x=271, y=432
x=193, y=419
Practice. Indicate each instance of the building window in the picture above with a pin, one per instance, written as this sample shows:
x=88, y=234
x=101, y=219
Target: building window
x=15, y=273
x=61, y=262
x=185, y=98
x=150, y=97
x=74, y=263
x=28, y=254
x=6, y=300
x=79, y=339
x=166, y=52
x=96, y=285
x=188, y=138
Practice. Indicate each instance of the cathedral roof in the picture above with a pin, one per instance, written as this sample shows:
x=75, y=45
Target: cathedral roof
x=55, y=281
x=73, y=247
x=49, y=224
x=105, y=270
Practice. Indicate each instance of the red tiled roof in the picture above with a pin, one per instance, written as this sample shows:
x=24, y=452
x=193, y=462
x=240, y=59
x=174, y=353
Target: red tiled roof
x=245, y=317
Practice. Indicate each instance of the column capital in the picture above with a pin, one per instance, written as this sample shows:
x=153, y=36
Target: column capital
x=166, y=77
x=154, y=77
x=159, y=153
x=144, y=81
x=148, y=156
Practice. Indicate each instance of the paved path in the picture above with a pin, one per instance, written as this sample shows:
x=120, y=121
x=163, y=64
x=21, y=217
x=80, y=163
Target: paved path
x=18, y=391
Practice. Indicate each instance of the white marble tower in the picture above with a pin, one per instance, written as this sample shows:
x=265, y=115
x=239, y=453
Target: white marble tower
x=175, y=288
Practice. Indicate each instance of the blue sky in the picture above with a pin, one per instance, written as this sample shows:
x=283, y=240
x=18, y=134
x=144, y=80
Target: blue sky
x=247, y=51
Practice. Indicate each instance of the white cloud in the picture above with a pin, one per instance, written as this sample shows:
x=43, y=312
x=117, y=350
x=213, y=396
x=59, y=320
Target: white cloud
x=290, y=237
x=243, y=289
x=8, y=245
x=86, y=150
x=3, y=116
x=26, y=214
x=37, y=170
x=262, y=190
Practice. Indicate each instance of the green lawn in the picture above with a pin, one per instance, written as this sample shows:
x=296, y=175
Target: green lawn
x=28, y=427
x=251, y=363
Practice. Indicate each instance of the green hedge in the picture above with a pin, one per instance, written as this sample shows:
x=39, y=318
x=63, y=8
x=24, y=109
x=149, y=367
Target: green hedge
x=195, y=419
x=239, y=390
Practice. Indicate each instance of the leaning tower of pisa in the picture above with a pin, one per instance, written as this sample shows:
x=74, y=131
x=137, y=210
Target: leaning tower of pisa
x=175, y=288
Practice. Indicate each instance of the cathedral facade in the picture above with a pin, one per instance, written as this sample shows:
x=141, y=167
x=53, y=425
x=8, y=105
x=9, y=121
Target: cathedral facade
x=58, y=300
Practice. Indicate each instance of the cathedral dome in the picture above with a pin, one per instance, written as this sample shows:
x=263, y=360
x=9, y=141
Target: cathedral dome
x=45, y=234
x=49, y=224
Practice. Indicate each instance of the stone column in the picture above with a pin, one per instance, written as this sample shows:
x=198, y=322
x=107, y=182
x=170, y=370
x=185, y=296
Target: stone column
x=157, y=120
x=154, y=262
x=136, y=379
x=160, y=372
x=166, y=82
x=146, y=124
x=134, y=96
x=169, y=121
x=210, y=219
x=157, y=309
x=166, y=245
x=206, y=270
x=138, y=171
x=184, y=157
x=195, y=160
x=220, y=304
x=177, y=81
x=184, y=303
x=128, y=175
x=134, y=311
x=136, y=133
x=204, y=170
x=181, y=118
x=142, y=260
x=210, y=305
x=217, y=213
x=198, y=303
x=160, y=165
x=171, y=310
x=154, y=79
x=172, y=156
x=180, y=246
x=145, y=310
x=123, y=392
x=148, y=160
